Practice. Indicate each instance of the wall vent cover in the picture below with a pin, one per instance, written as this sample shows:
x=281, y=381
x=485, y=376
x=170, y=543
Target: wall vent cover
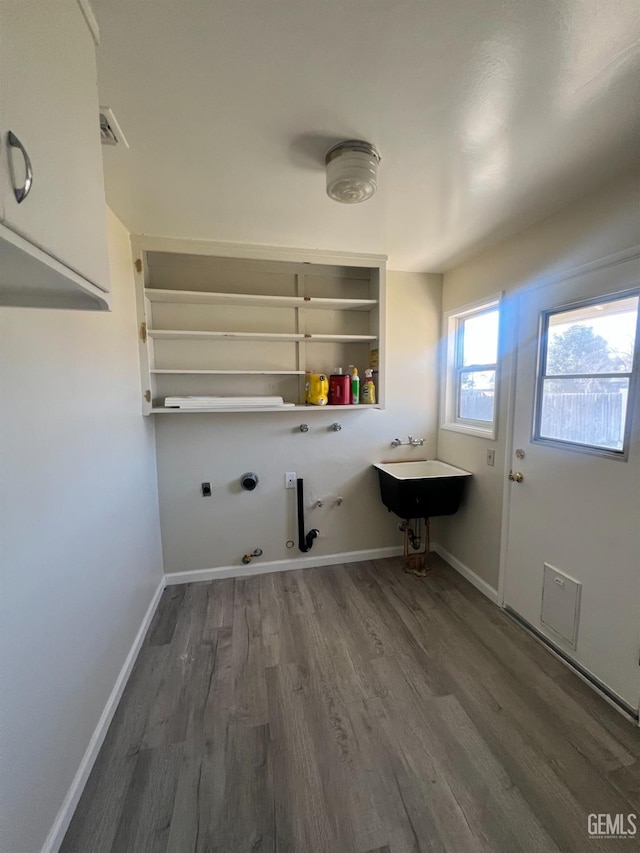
x=110, y=131
x=561, y=604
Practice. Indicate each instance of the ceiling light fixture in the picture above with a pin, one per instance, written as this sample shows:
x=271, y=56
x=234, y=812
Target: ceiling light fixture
x=352, y=168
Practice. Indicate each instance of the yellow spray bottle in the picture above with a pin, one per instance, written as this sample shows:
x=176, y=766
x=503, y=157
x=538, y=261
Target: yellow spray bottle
x=368, y=389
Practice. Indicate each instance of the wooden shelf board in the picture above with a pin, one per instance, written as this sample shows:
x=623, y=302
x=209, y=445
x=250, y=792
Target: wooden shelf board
x=197, y=297
x=176, y=334
x=161, y=410
x=178, y=372
x=340, y=339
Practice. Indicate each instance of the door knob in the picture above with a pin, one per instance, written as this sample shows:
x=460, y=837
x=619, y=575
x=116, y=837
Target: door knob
x=515, y=477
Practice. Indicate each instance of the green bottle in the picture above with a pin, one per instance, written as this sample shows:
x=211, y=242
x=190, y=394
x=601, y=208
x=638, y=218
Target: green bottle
x=355, y=385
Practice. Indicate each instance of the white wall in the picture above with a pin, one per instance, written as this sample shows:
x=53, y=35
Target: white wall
x=201, y=533
x=80, y=547
x=598, y=225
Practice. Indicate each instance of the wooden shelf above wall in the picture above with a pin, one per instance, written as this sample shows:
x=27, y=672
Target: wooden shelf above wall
x=195, y=300
x=162, y=410
x=197, y=297
x=180, y=372
x=185, y=334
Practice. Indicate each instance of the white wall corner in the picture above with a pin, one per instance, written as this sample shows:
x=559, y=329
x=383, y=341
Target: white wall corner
x=466, y=572
x=72, y=798
x=90, y=18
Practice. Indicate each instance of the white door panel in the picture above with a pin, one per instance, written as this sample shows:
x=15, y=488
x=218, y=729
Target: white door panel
x=577, y=512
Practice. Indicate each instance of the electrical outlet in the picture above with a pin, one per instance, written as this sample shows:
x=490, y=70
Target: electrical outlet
x=491, y=458
x=290, y=480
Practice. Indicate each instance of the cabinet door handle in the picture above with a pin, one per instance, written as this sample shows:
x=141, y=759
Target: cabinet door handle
x=21, y=192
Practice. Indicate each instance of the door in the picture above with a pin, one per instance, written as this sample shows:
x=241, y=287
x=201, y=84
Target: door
x=49, y=102
x=573, y=551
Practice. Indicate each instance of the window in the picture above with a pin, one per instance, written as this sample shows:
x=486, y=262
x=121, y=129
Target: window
x=584, y=375
x=469, y=403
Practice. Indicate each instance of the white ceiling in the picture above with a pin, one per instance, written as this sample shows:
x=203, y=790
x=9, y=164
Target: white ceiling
x=489, y=114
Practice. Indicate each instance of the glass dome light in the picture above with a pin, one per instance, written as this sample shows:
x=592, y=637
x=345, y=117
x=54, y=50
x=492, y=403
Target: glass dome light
x=352, y=170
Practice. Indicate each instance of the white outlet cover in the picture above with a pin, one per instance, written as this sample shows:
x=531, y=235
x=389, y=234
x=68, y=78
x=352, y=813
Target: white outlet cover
x=290, y=480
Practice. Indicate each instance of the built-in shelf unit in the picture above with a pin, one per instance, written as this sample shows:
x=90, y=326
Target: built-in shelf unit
x=218, y=319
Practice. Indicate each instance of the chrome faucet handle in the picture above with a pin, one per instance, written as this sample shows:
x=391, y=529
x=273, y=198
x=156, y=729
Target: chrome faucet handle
x=396, y=442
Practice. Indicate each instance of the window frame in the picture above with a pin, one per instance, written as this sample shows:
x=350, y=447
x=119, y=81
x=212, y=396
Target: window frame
x=454, y=369
x=574, y=446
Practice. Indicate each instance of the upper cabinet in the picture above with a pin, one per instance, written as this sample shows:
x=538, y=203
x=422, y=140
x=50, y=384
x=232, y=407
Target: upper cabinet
x=53, y=247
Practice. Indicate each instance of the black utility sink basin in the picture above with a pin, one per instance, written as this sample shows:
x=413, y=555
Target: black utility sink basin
x=421, y=489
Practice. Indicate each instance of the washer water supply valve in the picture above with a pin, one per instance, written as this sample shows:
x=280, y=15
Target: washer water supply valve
x=248, y=557
x=337, y=502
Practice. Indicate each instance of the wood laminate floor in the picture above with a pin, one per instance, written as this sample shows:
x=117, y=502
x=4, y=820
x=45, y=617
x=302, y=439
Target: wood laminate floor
x=349, y=709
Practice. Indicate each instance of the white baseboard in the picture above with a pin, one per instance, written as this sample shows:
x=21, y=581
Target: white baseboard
x=68, y=807
x=257, y=568
x=466, y=572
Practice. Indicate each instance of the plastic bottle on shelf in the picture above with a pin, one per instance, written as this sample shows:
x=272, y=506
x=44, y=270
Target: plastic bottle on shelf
x=316, y=389
x=355, y=385
x=368, y=395
x=339, y=388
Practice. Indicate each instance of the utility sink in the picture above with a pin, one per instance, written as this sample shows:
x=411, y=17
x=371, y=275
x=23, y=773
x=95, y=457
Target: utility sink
x=421, y=489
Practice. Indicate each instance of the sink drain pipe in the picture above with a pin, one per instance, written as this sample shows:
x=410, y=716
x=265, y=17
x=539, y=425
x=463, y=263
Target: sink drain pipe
x=417, y=564
x=305, y=541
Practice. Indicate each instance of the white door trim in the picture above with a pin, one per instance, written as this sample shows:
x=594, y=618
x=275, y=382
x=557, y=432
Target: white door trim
x=511, y=305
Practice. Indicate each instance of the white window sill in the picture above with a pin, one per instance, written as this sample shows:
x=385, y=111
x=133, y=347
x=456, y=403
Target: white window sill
x=488, y=432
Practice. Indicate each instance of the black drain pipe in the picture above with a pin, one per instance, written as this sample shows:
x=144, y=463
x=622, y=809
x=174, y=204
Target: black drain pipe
x=305, y=542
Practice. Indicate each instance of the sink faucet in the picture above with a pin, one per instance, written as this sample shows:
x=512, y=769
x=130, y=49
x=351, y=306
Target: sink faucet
x=412, y=442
